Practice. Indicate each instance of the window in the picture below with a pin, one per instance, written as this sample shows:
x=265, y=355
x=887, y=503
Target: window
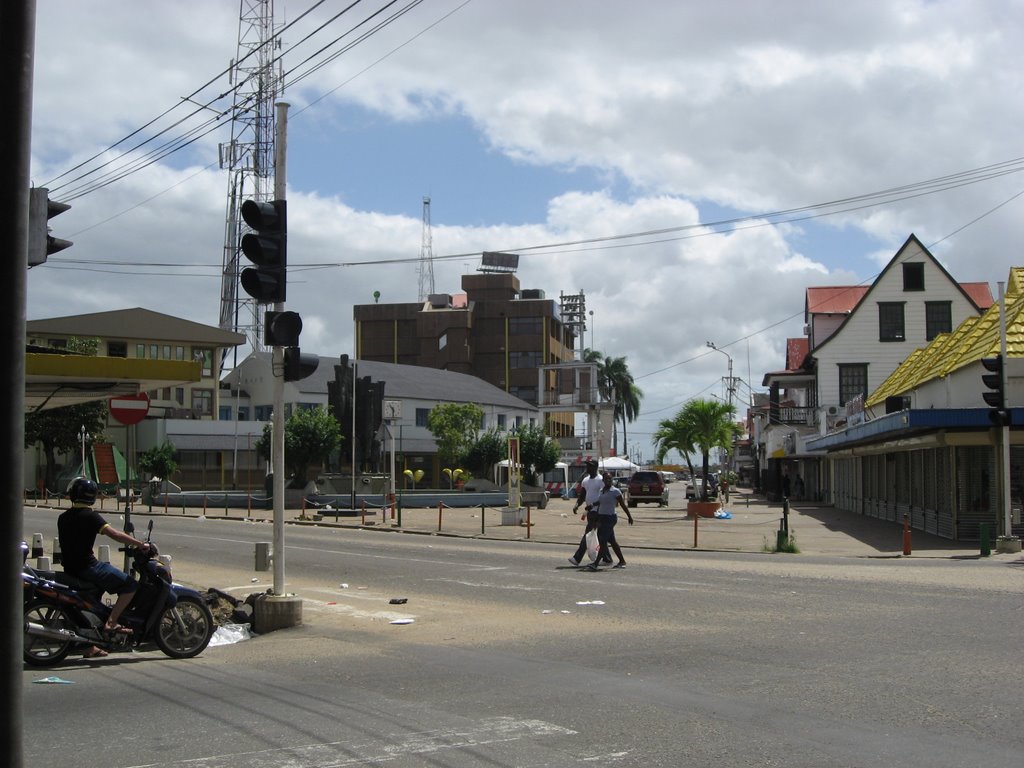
x=179, y=395
x=204, y=355
x=243, y=413
x=938, y=318
x=913, y=276
x=58, y=343
x=525, y=325
x=529, y=394
x=224, y=413
x=890, y=321
x=501, y=421
x=140, y=350
x=179, y=353
x=117, y=349
x=264, y=412
x=165, y=393
x=442, y=342
x=421, y=416
x=853, y=381
x=202, y=402
x=524, y=360
x=154, y=352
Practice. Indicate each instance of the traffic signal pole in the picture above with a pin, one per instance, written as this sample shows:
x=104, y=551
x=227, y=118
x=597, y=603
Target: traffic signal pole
x=280, y=185
x=1004, y=441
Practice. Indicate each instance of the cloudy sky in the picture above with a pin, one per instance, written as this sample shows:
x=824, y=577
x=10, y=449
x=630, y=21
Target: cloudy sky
x=750, y=149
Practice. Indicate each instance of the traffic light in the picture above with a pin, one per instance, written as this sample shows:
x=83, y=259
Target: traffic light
x=996, y=394
x=281, y=329
x=297, y=365
x=266, y=247
x=40, y=242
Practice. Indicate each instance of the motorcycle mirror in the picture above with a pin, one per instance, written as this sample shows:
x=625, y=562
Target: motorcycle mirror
x=149, y=529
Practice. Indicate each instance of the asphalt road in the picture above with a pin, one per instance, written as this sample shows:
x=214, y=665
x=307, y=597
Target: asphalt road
x=513, y=658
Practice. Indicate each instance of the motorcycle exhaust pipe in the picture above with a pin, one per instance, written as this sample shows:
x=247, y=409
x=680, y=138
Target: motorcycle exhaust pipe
x=65, y=635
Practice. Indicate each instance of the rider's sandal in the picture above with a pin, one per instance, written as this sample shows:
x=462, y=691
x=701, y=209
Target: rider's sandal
x=95, y=653
x=116, y=629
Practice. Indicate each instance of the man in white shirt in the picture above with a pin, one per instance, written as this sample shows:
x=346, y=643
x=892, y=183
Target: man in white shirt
x=591, y=486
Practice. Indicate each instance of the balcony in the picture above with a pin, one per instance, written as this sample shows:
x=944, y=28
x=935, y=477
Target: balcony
x=796, y=415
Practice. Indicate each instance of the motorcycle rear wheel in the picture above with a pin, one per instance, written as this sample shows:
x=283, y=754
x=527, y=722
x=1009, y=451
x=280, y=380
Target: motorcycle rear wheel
x=192, y=635
x=44, y=651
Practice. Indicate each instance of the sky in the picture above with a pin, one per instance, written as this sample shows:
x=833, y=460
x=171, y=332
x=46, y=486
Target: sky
x=743, y=145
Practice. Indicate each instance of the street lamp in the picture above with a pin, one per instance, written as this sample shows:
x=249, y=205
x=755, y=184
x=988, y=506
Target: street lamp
x=591, y=329
x=83, y=436
x=729, y=387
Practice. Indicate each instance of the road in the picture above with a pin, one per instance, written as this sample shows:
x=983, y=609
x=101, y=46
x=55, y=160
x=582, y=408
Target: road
x=513, y=658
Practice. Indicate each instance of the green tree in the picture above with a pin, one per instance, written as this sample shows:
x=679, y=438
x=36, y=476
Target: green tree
x=711, y=424
x=484, y=453
x=615, y=383
x=310, y=435
x=159, y=461
x=455, y=427
x=58, y=430
x=673, y=434
x=538, y=453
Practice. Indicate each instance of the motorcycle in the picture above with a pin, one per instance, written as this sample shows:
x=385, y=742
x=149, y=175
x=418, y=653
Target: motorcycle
x=63, y=613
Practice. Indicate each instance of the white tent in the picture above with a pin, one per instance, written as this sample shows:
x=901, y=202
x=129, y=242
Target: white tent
x=617, y=464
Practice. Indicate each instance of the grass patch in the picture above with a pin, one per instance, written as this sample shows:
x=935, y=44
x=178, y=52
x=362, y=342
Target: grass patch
x=787, y=545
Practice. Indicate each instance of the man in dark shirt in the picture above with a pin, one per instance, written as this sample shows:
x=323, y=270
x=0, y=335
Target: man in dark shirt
x=77, y=528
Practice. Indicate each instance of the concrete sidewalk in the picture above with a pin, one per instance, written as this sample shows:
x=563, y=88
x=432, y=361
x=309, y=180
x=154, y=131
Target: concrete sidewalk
x=816, y=529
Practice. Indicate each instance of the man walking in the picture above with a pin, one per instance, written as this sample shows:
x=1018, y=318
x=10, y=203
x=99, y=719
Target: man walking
x=590, y=487
x=610, y=498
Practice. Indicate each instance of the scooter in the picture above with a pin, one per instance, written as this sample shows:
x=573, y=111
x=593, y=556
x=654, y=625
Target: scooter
x=63, y=613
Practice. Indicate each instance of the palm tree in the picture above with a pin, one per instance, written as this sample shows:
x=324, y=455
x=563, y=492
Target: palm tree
x=615, y=383
x=673, y=434
x=710, y=424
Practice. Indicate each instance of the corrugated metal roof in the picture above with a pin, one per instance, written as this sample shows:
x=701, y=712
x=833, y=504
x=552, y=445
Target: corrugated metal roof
x=137, y=323
x=834, y=300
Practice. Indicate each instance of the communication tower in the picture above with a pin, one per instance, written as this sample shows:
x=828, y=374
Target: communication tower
x=426, y=267
x=249, y=157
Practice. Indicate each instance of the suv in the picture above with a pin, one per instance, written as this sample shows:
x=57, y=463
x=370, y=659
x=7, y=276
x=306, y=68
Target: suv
x=647, y=486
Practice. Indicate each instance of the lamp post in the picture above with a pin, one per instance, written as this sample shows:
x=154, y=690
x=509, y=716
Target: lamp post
x=729, y=386
x=83, y=436
x=592, y=329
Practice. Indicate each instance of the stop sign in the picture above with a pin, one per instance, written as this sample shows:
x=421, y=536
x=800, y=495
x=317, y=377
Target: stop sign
x=130, y=409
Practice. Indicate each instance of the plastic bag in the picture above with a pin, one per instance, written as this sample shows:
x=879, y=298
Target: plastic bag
x=593, y=545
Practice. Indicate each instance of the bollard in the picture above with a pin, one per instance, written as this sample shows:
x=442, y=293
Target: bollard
x=785, y=515
x=481, y=519
x=440, y=506
x=986, y=547
x=204, y=506
x=364, y=511
x=56, y=552
x=399, y=505
x=906, y=535
x=248, y=504
x=42, y=563
x=263, y=556
x=696, y=517
x=37, y=545
x=528, y=523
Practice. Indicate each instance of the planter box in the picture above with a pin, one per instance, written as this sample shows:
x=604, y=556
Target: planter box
x=702, y=508
x=513, y=515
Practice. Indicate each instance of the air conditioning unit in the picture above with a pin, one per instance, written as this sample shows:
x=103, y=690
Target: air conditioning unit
x=832, y=410
x=807, y=329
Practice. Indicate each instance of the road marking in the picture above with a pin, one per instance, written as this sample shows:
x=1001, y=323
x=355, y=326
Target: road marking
x=388, y=747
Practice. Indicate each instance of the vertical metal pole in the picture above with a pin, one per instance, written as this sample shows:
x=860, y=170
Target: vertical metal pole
x=280, y=186
x=1004, y=441
x=17, y=45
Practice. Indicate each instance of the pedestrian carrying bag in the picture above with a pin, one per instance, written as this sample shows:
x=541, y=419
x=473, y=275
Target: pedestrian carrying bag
x=593, y=545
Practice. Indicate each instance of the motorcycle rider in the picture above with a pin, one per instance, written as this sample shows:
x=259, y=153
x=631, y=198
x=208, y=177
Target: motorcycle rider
x=76, y=529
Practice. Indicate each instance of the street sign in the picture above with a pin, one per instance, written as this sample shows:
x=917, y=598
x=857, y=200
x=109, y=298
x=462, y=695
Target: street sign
x=130, y=409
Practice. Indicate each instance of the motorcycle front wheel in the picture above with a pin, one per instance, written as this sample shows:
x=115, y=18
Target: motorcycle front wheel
x=46, y=651
x=185, y=629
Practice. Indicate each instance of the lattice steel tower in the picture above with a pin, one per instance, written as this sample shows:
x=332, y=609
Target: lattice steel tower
x=426, y=267
x=249, y=157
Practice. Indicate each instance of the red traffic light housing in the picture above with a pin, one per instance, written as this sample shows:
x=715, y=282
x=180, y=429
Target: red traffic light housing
x=266, y=247
x=996, y=394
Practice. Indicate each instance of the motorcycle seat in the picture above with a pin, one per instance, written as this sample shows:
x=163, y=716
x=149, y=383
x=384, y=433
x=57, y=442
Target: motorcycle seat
x=74, y=582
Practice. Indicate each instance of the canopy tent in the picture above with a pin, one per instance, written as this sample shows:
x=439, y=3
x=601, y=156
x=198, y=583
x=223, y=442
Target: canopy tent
x=617, y=464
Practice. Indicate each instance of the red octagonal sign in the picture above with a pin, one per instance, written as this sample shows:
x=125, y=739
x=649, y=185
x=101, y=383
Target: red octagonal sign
x=130, y=409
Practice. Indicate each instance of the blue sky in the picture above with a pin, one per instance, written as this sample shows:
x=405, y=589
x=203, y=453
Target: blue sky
x=533, y=123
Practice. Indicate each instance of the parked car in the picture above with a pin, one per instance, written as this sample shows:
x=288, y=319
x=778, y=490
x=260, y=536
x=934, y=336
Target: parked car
x=693, y=489
x=649, y=487
x=670, y=477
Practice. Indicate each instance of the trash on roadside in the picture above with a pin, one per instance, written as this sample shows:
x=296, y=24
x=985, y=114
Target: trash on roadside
x=229, y=634
x=723, y=514
x=402, y=621
x=398, y=601
x=343, y=585
x=54, y=681
x=590, y=602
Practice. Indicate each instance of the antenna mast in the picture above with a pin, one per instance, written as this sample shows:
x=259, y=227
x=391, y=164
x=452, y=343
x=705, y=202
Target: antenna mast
x=249, y=157
x=426, y=268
